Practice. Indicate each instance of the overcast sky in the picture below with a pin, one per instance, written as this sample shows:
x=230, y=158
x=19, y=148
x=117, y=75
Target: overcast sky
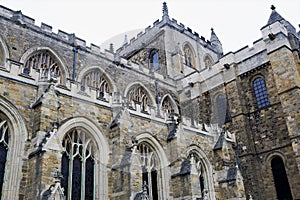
x=236, y=22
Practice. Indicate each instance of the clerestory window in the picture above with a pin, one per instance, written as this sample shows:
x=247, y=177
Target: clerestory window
x=45, y=63
x=260, y=90
x=97, y=80
x=138, y=95
x=78, y=165
x=222, y=109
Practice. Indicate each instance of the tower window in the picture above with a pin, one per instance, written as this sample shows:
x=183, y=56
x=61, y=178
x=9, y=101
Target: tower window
x=154, y=61
x=260, y=90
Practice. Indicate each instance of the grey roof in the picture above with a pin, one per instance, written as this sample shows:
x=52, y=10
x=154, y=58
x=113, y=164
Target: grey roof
x=274, y=17
x=219, y=143
x=184, y=169
x=231, y=175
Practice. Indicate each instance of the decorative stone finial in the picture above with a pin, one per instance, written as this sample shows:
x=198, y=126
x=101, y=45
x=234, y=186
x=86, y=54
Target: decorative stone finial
x=273, y=7
x=111, y=47
x=212, y=29
x=125, y=40
x=165, y=9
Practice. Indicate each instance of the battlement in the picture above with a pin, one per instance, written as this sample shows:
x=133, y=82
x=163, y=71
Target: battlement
x=70, y=38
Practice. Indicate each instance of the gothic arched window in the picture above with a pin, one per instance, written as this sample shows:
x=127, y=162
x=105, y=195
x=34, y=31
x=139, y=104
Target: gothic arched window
x=97, y=80
x=208, y=61
x=150, y=167
x=280, y=179
x=188, y=56
x=202, y=174
x=222, y=109
x=78, y=165
x=260, y=90
x=4, y=131
x=45, y=63
x=154, y=60
x=138, y=95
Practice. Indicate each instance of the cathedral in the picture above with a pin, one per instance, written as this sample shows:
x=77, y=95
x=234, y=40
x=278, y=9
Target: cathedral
x=167, y=116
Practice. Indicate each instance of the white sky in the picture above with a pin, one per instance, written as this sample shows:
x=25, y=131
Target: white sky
x=237, y=23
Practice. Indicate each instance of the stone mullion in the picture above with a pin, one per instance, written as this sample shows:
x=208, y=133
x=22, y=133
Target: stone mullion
x=70, y=176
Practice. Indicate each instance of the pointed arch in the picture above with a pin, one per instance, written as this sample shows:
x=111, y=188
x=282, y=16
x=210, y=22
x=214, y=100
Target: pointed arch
x=208, y=61
x=189, y=55
x=18, y=134
x=4, y=54
x=34, y=57
x=163, y=174
x=194, y=149
x=86, y=70
x=168, y=105
x=136, y=92
x=97, y=78
x=101, y=155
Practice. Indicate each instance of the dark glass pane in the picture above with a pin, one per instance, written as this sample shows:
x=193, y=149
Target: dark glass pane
x=3, y=154
x=76, y=179
x=145, y=179
x=280, y=179
x=89, y=179
x=154, y=184
x=65, y=173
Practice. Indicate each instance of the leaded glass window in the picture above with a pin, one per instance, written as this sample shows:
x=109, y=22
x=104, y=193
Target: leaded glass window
x=261, y=95
x=4, y=131
x=45, y=63
x=222, y=109
x=78, y=165
x=2, y=57
x=97, y=80
x=138, y=95
x=150, y=166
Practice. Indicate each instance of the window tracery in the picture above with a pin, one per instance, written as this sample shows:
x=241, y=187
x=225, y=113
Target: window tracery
x=78, y=164
x=96, y=79
x=188, y=56
x=45, y=63
x=150, y=166
x=138, y=95
x=201, y=172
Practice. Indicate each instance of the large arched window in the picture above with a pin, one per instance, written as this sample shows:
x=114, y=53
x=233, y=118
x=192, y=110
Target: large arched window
x=150, y=168
x=4, y=136
x=97, y=80
x=280, y=179
x=45, y=62
x=222, y=109
x=138, y=95
x=78, y=165
x=260, y=90
x=188, y=56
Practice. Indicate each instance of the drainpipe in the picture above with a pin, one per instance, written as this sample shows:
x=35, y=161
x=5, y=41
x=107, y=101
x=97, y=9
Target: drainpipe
x=75, y=51
x=157, y=97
